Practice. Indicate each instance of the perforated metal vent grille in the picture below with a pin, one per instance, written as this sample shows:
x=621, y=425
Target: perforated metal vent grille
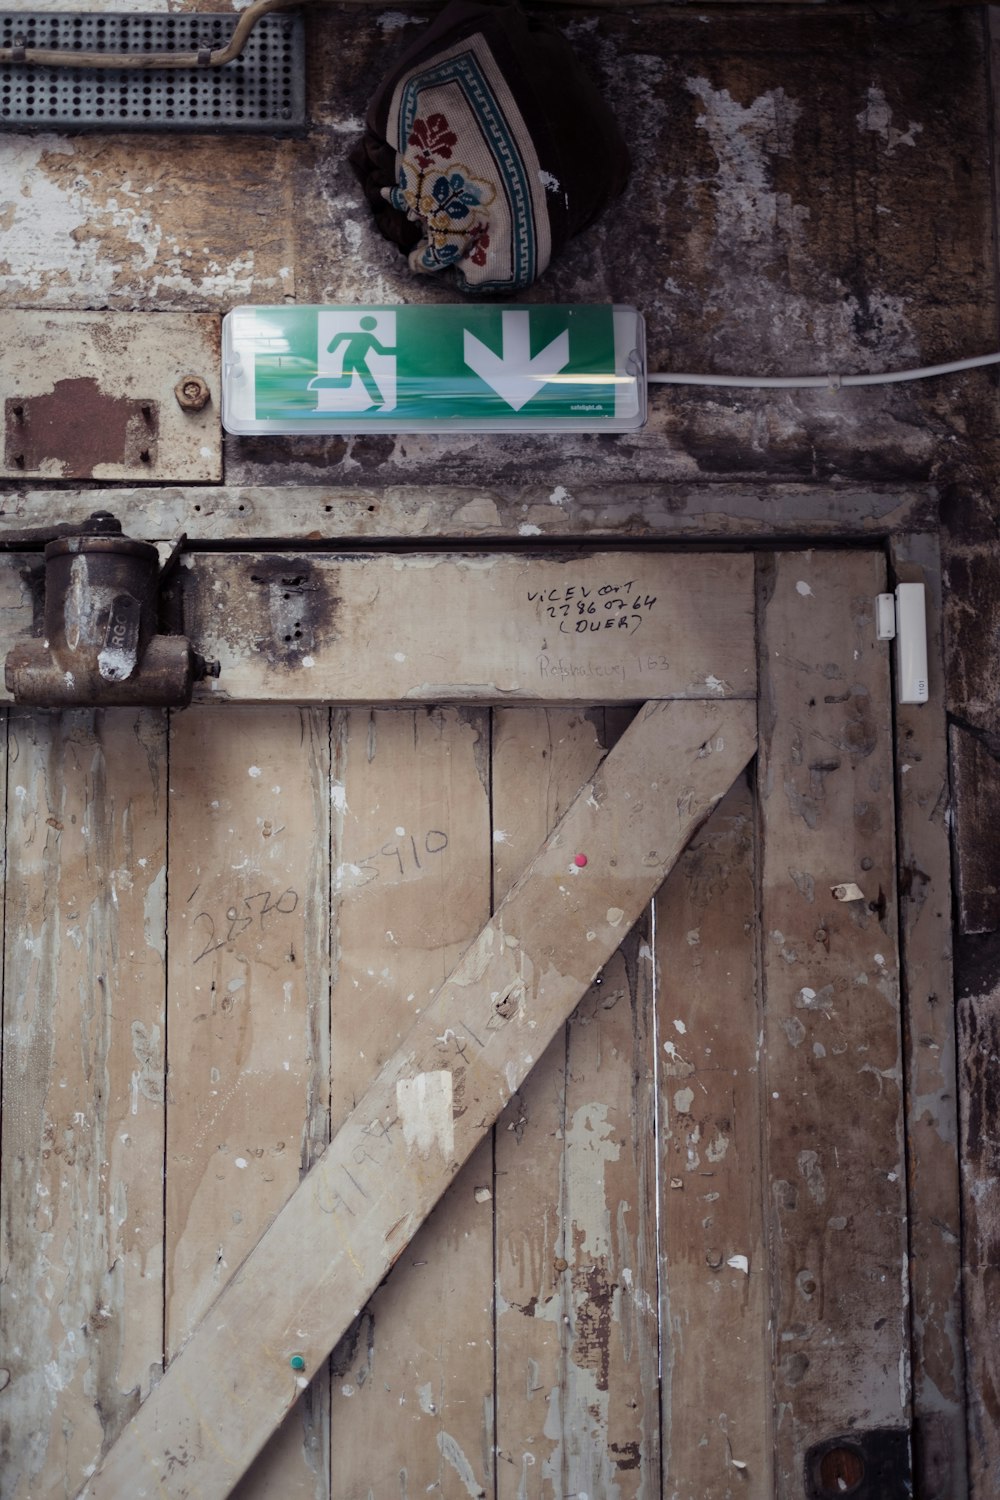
x=264, y=90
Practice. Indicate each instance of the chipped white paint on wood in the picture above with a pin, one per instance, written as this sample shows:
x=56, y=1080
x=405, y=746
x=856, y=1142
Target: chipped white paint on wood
x=831, y=1055
x=249, y=1016
x=83, y=1089
x=412, y=1384
x=848, y=891
x=333, y=1242
x=714, y=1283
x=577, y=1393
x=425, y=1105
x=563, y=748
x=605, y=1425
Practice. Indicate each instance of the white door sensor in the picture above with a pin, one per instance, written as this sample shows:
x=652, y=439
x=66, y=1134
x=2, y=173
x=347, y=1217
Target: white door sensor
x=911, y=642
x=902, y=617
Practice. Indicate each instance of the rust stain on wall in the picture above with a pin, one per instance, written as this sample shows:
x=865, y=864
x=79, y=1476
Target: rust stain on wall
x=77, y=426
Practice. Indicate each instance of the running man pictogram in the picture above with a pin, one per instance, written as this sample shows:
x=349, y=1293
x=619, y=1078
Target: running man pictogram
x=356, y=368
x=355, y=359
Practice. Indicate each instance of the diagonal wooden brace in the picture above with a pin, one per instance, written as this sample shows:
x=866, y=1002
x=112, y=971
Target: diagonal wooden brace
x=315, y=1266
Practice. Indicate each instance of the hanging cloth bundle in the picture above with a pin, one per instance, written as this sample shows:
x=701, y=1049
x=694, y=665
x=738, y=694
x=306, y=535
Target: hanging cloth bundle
x=487, y=147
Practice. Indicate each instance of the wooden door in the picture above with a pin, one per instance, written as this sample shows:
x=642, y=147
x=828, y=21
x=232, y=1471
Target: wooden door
x=677, y=1265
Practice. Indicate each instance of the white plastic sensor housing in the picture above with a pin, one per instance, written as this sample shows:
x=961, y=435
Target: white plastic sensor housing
x=911, y=639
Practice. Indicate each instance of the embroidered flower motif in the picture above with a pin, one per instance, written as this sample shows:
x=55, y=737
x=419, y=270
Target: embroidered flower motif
x=442, y=200
x=448, y=202
x=434, y=256
x=479, y=242
x=431, y=137
x=455, y=195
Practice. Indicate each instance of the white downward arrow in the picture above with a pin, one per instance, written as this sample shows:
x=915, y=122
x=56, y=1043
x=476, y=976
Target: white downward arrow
x=514, y=375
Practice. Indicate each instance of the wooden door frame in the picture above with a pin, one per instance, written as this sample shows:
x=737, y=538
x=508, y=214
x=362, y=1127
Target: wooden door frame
x=930, y=1051
x=904, y=523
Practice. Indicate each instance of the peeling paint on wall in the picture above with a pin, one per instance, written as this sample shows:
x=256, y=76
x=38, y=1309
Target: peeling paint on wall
x=876, y=117
x=72, y=7
x=751, y=217
x=90, y=224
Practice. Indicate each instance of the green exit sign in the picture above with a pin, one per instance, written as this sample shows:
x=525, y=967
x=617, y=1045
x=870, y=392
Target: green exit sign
x=546, y=368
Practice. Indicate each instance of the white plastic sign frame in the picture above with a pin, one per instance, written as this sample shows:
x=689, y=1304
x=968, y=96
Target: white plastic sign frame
x=471, y=367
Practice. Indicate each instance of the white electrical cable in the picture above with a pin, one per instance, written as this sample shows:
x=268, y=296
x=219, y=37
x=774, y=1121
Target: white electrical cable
x=822, y=382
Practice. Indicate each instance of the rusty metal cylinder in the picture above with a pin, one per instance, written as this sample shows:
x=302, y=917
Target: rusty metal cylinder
x=100, y=642
x=100, y=603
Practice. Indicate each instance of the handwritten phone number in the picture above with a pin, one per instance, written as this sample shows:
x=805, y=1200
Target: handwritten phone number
x=579, y=609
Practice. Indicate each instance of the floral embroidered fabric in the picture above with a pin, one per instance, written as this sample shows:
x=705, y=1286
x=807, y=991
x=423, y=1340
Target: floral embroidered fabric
x=444, y=196
x=474, y=163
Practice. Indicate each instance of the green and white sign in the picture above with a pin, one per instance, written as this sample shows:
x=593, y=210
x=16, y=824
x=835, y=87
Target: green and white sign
x=543, y=368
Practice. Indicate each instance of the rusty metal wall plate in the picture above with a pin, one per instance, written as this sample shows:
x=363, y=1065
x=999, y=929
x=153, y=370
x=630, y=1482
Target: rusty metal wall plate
x=92, y=396
x=263, y=90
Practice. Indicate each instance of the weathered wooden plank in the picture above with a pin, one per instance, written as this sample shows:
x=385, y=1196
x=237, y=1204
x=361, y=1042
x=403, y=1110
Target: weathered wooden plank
x=5, y=1373
x=714, y=1274
x=584, y=627
x=337, y=513
x=978, y=1051
x=4, y=754
x=413, y=1377
x=562, y=748
x=832, y=1045
x=935, y=1218
x=577, y=1381
x=82, y=1212
x=608, y=1433
x=422, y=628
x=16, y=607
x=432, y=1103
x=248, y=984
x=389, y=628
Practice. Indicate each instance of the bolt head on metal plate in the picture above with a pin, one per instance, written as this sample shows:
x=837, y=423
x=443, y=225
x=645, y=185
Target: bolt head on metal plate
x=192, y=393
